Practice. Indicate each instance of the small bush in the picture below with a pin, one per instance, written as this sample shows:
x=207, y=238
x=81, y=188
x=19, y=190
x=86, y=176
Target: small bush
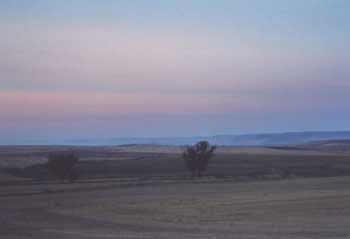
x=197, y=157
x=61, y=165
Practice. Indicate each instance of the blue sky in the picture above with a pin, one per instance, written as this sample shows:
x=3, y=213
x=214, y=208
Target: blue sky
x=74, y=69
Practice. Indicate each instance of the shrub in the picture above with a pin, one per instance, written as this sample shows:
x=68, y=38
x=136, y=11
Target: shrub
x=197, y=157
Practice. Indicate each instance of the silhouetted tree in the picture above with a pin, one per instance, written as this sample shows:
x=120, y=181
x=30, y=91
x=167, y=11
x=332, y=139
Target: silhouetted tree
x=197, y=157
x=62, y=166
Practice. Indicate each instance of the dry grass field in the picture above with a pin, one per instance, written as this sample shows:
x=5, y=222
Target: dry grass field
x=145, y=192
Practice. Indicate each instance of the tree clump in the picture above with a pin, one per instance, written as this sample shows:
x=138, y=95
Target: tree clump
x=197, y=157
x=62, y=166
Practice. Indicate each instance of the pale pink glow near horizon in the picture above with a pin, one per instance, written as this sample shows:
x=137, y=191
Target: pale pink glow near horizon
x=42, y=106
x=58, y=105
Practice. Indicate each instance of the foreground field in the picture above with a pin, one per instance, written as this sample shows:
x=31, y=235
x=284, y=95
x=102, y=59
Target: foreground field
x=298, y=208
x=145, y=192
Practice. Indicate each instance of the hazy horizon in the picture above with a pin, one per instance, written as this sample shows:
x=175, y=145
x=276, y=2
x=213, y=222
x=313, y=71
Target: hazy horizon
x=100, y=69
x=248, y=139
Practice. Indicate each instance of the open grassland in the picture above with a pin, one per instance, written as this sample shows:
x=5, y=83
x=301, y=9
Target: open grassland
x=299, y=208
x=150, y=162
x=145, y=192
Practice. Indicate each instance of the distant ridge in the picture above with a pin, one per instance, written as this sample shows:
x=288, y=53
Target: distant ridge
x=264, y=139
x=281, y=138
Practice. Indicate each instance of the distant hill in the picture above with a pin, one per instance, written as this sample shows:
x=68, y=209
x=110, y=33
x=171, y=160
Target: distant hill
x=340, y=145
x=269, y=139
x=289, y=138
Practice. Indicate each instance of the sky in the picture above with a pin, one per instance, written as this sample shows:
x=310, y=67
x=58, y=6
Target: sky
x=74, y=69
